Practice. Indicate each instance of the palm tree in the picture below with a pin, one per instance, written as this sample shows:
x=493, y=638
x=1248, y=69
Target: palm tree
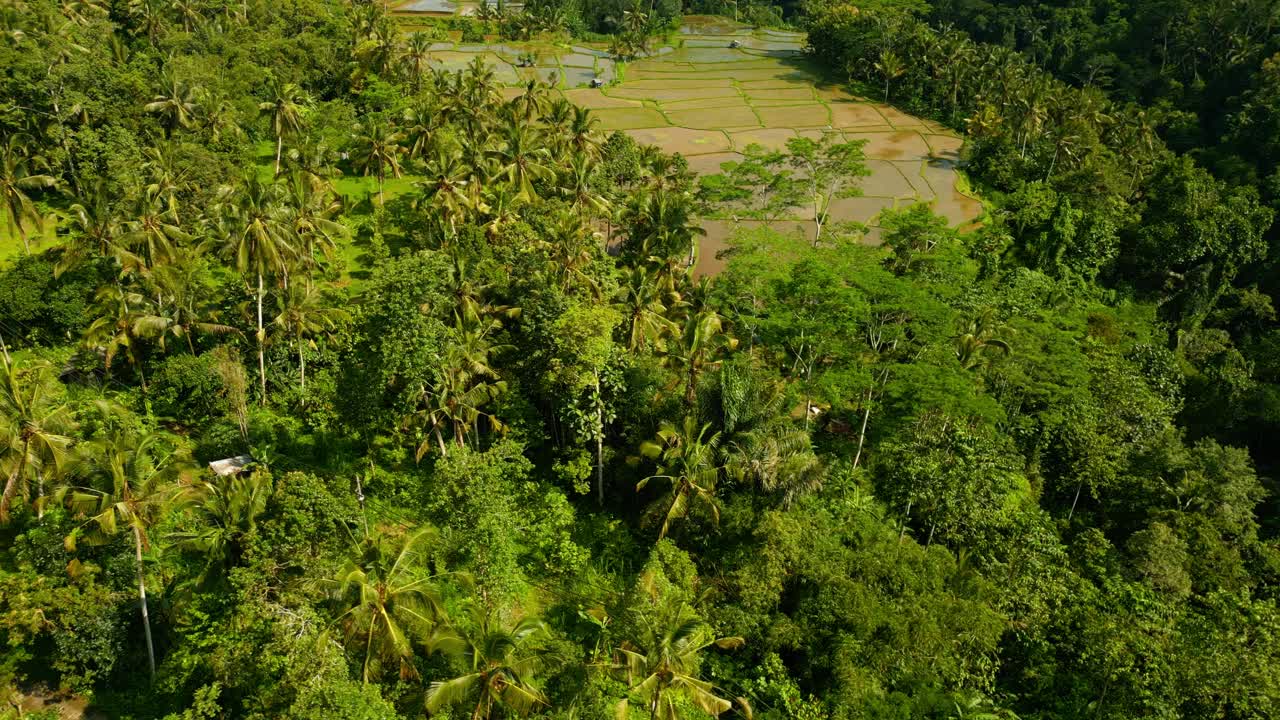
x=445, y=185
x=579, y=185
x=94, y=229
x=523, y=158
x=131, y=477
x=226, y=510
x=415, y=58
x=700, y=346
x=33, y=421
x=117, y=310
x=284, y=107
x=662, y=667
x=422, y=118
x=891, y=67
x=978, y=340
x=166, y=174
x=499, y=664
x=376, y=148
x=19, y=174
x=465, y=383
x=181, y=305
x=304, y=313
x=582, y=135
x=149, y=17
x=386, y=599
x=688, y=459
x=644, y=304
x=175, y=103
x=310, y=208
x=260, y=243
x=151, y=235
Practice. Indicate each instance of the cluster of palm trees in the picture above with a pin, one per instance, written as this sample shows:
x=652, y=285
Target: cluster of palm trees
x=995, y=93
x=390, y=610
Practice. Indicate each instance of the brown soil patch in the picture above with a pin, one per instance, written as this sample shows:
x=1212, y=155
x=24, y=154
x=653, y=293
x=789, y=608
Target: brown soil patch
x=848, y=114
x=898, y=145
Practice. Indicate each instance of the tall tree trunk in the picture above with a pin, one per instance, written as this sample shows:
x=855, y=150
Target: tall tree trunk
x=902, y=531
x=599, y=444
x=22, y=233
x=302, y=366
x=11, y=484
x=279, y=147
x=262, y=340
x=862, y=434
x=142, y=600
x=1075, y=500
x=444, y=450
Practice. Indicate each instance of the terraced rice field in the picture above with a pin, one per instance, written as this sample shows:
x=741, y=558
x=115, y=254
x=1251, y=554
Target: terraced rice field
x=708, y=101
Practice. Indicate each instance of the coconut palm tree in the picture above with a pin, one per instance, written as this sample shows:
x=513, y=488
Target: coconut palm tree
x=151, y=235
x=376, y=149
x=644, y=304
x=421, y=118
x=386, y=599
x=284, y=107
x=582, y=134
x=661, y=666
x=180, y=306
x=446, y=185
x=225, y=511
x=33, y=423
x=304, y=314
x=701, y=345
x=94, y=229
x=499, y=664
x=979, y=340
x=310, y=206
x=175, y=102
x=20, y=173
x=130, y=477
x=260, y=243
x=688, y=459
x=117, y=310
x=523, y=158
x=415, y=58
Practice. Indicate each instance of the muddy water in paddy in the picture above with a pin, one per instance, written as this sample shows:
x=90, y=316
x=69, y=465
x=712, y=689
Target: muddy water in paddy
x=709, y=101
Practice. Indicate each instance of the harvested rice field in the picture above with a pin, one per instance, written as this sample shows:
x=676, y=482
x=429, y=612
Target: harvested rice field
x=721, y=87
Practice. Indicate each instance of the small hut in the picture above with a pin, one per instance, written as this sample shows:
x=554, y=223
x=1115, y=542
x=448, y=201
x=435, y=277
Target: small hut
x=230, y=466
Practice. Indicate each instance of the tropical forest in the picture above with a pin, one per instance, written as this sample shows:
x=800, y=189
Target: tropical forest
x=640, y=359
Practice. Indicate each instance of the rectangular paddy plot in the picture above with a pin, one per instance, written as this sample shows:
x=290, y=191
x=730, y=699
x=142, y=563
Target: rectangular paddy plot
x=629, y=118
x=714, y=118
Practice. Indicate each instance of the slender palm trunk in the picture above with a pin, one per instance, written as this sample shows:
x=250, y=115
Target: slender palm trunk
x=142, y=601
x=11, y=484
x=862, y=434
x=599, y=444
x=902, y=532
x=22, y=233
x=302, y=366
x=1075, y=500
x=279, y=147
x=262, y=339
